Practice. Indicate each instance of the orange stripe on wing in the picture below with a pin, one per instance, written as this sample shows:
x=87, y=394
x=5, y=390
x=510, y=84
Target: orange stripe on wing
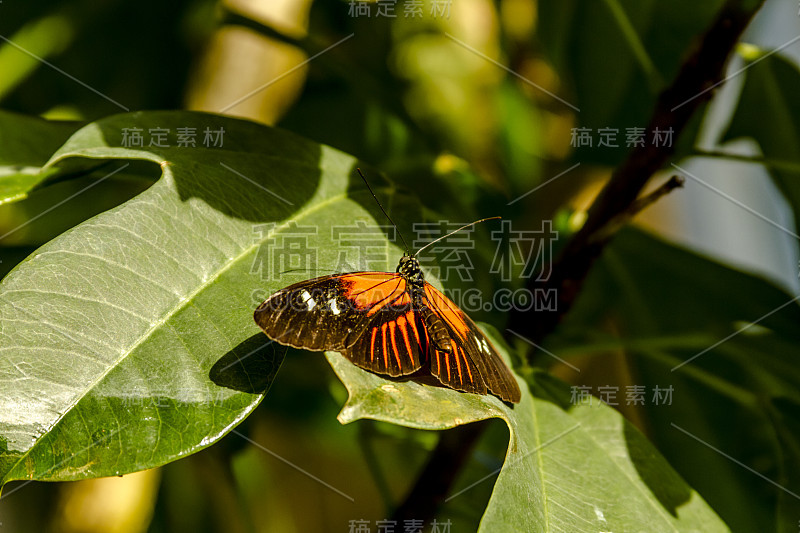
x=385, y=351
x=458, y=364
x=370, y=289
x=392, y=327
x=372, y=345
x=402, y=324
x=379, y=300
x=466, y=363
x=366, y=280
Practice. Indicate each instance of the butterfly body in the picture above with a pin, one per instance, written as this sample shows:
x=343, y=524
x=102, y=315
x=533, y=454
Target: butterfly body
x=392, y=324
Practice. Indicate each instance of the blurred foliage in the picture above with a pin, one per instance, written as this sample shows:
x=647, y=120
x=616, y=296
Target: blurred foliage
x=768, y=112
x=617, y=56
x=133, y=59
x=723, y=396
x=423, y=100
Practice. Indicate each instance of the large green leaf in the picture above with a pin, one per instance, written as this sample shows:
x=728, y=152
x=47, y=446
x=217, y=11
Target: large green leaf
x=769, y=112
x=568, y=467
x=119, y=340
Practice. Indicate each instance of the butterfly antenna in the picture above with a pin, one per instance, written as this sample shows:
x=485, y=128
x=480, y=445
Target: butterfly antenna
x=456, y=231
x=384, y=211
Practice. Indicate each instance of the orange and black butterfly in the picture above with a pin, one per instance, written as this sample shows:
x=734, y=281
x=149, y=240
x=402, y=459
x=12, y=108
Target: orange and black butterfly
x=393, y=324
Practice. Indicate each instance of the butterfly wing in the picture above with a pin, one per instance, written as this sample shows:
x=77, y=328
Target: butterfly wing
x=329, y=312
x=395, y=343
x=473, y=364
x=449, y=361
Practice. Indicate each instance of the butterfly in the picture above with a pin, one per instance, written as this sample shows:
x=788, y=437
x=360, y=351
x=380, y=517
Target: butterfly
x=392, y=324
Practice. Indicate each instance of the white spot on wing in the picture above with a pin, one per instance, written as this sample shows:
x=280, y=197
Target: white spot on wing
x=334, y=307
x=483, y=345
x=307, y=299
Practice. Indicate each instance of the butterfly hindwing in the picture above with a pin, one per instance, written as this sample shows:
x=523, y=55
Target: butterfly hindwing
x=448, y=361
x=327, y=313
x=473, y=364
x=395, y=343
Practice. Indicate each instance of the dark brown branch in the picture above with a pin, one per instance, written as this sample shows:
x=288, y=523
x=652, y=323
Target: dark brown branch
x=604, y=234
x=702, y=70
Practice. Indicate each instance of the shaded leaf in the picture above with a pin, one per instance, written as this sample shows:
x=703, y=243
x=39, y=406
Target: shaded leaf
x=568, y=468
x=52, y=208
x=739, y=333
x=26, y=143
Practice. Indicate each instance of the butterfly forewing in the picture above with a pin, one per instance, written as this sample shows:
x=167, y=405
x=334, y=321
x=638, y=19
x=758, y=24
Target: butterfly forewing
x=473, y=362
x=327, y=313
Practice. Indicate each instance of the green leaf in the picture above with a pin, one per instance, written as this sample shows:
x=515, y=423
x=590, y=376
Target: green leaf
x=769, y=112
x=26, y=143
x=568, y=467
x=120, y=339
x=52, y=208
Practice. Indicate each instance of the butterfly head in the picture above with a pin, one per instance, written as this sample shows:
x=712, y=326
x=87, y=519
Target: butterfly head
x=409, y=267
